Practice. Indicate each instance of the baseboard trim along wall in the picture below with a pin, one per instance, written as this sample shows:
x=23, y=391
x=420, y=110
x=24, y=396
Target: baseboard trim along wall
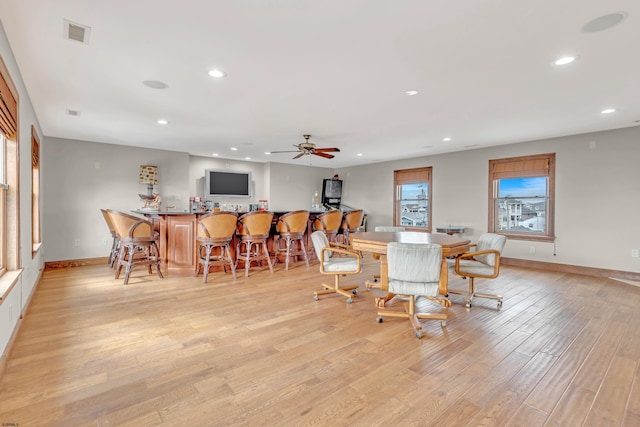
x=52, y=265
x=549, y=266
x=574, y=269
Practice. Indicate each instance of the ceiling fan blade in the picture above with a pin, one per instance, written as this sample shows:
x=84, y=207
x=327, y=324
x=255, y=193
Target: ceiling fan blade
x=292, y=151
x=299, y=155
x=321, y=154
x=328, y=150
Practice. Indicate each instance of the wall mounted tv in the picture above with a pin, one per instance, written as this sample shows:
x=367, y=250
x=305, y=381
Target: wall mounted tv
x=226, y=184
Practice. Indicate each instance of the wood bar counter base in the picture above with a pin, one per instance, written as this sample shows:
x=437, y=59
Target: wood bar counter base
x=178, y=245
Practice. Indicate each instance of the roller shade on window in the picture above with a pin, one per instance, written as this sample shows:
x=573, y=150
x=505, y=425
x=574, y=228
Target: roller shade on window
x=8, y=109
x=518, y=167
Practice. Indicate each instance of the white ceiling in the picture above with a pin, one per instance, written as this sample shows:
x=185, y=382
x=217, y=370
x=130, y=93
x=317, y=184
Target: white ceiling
x=336, y=69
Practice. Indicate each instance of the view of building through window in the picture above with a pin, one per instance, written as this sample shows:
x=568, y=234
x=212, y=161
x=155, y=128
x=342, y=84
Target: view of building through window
x=522, y=204
x=414, y=207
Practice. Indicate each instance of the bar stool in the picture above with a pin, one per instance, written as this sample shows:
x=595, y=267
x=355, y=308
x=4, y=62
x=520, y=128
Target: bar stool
x=351, y=223
x=292, y=227
x=115, y=244
x=329, y=223
x=214, y=234
x=253, y=231
x=138, y=243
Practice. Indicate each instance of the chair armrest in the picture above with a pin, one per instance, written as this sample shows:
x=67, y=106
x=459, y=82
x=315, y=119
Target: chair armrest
x=286, y=225
x=134, y=227
x=203, y=229
x=339, y=245
x=341, y=251
x=471, y=255
x=474, y=254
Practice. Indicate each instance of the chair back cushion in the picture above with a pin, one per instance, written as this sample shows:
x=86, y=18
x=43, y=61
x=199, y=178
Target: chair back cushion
x=414, y=268
x=255, y=223
x=107, y=219
x=293, y=222
x=353, y=220
x=329, y=221
x=128, y=226
x=320, y=242
x=490, y=241
x=217, y=225
x=414, y=262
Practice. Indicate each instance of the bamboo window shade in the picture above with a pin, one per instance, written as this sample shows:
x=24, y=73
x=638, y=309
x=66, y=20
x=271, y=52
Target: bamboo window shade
x=35, y=153
x=8, y=109
x=412, y=176
x=518, y=167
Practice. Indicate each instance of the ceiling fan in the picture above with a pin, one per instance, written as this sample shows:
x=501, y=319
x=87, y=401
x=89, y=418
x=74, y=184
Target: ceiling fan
x=307, y=147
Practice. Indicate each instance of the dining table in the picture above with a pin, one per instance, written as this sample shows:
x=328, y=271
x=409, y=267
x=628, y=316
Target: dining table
x=375, y=242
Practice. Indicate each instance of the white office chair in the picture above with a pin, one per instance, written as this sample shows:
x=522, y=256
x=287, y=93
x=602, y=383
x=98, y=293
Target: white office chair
x=484, y=262
x=417, y=269
x=347, y=263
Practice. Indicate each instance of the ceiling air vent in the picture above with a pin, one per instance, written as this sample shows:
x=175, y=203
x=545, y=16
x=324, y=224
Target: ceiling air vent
x=77, y=32
x=73, y=112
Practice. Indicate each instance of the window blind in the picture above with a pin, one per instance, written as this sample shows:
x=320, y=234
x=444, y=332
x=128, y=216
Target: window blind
x=517, y=167
x=8, y=109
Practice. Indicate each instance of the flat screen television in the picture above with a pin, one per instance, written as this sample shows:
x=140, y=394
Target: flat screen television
x=226, y=184
x=331, y=192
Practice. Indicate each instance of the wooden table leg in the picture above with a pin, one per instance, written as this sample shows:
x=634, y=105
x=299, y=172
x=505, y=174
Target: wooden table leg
x=384, y=283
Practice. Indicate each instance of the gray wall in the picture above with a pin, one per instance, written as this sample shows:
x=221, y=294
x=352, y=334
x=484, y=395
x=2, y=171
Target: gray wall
x=597, y=196
x=14, y=303
x=597, y=193
x=80, y=178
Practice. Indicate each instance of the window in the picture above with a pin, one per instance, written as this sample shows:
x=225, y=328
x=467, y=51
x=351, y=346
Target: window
x=9, y=229
x=3, y=205
x=35, y=190
x=521, y=193
x=413, y=198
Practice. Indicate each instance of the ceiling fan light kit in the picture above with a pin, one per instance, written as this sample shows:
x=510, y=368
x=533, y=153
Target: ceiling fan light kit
x=307, y=148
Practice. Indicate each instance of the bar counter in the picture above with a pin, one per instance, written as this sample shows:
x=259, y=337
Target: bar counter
x=178, y=244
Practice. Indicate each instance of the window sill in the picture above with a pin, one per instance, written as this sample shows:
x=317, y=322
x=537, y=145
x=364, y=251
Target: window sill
x=35, y=248
x=528, y=237
x=7, y=282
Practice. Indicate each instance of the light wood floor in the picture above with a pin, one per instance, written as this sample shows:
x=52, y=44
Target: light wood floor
x=564, y=350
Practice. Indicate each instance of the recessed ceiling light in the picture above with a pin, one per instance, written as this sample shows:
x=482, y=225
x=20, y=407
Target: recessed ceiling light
x=218, y=74
x=565, y=60
x=608, y=111
x=233, y=149
x=267, y=152
x=155, y=84
x=411, y=92
x=215, y=154
x=604, y=22
x=359, y=154
x=447, y=139
x=247, y=158
x=162, y=122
